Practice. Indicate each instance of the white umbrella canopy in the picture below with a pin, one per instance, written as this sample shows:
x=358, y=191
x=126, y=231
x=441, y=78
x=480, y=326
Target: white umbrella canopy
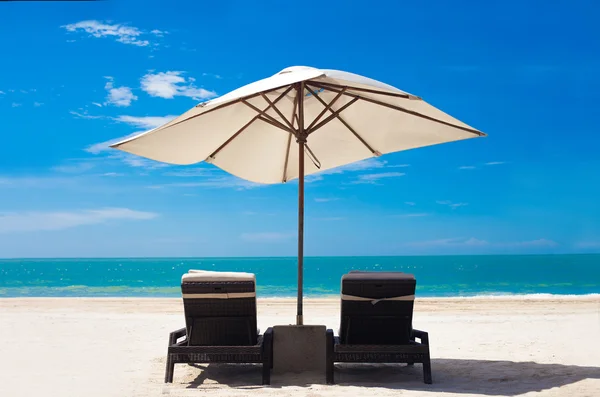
x=368, y=119
x=298, y=122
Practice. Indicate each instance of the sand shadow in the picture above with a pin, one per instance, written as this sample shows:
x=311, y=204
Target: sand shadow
x=493, y=378
x=488, y=377
x=242, y=376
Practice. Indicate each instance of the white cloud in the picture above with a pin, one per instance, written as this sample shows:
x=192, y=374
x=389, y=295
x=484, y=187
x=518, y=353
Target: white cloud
x=216, y=76
x=374, y=178
x=363, y=165
x=59, y=220
x=148, y=123
x=495, y=163
x=414, y=215
x=190, y=172
x=218, y=182
x=266, y=237
x=37, y=104
x=118, y=96
x=410, y=203
x=325, y=199
x=36, y=182
x=171, y=84
x=397, y=165
x=542, y=242
x=121, y=33
x=15, y=104
x=450, y=242
x=97, y=104
x=138, y=162
x=451, y=204
x=85, y=115
x=75, y=168
x=2, y=93
x=100, y=147
x=158, y=33
x=467, y=167
x=475, y=242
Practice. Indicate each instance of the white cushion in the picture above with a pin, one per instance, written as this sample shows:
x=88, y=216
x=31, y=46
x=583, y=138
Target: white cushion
x=207, y=275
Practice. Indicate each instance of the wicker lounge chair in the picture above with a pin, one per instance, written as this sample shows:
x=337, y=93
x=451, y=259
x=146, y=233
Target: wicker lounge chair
x=376, y=323
x=220, y=317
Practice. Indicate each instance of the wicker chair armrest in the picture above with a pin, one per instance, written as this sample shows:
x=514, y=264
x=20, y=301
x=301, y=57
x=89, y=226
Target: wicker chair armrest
x=173, y=336
x=422, y=335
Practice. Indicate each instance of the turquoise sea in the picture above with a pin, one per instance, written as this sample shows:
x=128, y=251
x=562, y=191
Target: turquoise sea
x=437, y=276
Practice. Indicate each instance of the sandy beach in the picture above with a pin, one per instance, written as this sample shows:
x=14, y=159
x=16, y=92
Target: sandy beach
x=480, y=347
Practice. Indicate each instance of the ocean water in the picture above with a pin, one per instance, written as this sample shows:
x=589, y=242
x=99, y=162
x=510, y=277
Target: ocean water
x=437, y=276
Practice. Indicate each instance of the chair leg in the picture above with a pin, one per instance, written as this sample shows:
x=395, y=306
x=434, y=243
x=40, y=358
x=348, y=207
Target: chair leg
x=329, y=363
x=427, y=370
x=169, y=370
x=266, y=373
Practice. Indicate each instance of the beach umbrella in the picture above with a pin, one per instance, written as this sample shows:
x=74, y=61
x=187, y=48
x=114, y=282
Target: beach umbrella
x=298, y=122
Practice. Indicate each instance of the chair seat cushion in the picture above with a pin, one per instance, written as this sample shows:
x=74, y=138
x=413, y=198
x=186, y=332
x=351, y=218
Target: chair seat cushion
x=206, y=275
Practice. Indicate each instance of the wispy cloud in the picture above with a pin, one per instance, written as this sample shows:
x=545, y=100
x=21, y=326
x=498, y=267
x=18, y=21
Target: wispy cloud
x=83, y=114
x=214, y=182
x=374, y=178
x=118, y=96
x=2, y=93
x=450, y=242
x=76, y=167
x=59, y=220
x=397, y=165
x=475, y=242
x=37, y=104
x=37, y=181
x=414, y=215
x=190, y=172
x=100, y=147
x=364, y=165
x=145, y=122
x=411, y=203
x=266, y=237
x=97, y=104
x=16, y=105
x=119, y=32
x=467, y=167
x=215, y=76
x=451, y=204
x=495, y=163
x=325, y=199
x=171, y=84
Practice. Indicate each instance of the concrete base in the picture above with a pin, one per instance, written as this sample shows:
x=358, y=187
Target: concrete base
x=300, y=349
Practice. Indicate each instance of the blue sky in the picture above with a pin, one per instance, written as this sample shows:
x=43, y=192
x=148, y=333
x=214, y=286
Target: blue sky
x=78, y=75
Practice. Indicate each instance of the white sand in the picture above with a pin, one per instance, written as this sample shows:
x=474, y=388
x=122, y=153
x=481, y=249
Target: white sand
x=116, y=347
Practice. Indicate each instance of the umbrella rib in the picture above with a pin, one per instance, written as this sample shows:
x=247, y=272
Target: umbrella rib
x=375, y=152
x=394, y=94
x=231, y=138
x=267, y=118
x=289, y=142
x=327, y=106
x=401, y=109
x=332, y=116
x=223, y=105
x=275, y=124
x=277, y=110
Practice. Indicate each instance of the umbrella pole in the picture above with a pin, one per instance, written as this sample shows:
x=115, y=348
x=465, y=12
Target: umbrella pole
x=301, y=143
